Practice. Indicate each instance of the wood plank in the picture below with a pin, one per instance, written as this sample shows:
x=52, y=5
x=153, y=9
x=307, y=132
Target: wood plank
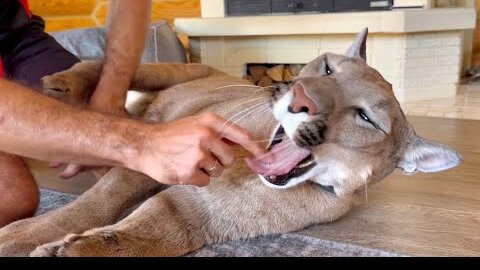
x=168, y=10
x=476, y=59
x=161, y=10
x=64, y=23
x=476, y=33
x=184, y=41
x=405, y=230
x=100, y=12
x=62, y=7
x=476, y=45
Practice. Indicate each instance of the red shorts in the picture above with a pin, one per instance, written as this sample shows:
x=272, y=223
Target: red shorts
x=27, y=52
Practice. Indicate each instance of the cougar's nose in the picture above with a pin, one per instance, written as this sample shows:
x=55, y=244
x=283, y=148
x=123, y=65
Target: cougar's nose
x=301, y=102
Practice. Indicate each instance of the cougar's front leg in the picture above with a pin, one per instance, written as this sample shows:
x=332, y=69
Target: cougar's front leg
x=75, y=85
x=168, y=224
x=183, y=219
x=118, y=190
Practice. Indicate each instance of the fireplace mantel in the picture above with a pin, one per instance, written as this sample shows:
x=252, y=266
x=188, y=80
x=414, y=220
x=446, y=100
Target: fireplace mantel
x=396, y=21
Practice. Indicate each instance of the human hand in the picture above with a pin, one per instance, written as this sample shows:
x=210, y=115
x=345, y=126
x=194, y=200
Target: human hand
x=192, y=150
x=73, y=169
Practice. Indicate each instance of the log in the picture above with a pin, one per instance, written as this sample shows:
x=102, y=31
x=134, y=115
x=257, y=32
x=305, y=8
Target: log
x=248, y=78
x=257, y=73
x=265, y=81
x=287, y=75
x=276, y=73
x=295, y=69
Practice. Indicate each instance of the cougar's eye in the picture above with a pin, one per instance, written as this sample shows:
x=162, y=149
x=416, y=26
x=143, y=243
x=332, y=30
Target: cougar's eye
x=328, y=71
x=362, y=115
x=325, y=69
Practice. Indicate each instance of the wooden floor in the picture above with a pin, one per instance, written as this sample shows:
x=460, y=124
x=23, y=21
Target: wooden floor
x=48, y=178
x=423, y=214
x=464, y=105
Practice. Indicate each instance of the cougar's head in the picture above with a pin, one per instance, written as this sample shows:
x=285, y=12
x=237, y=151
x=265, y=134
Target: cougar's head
x=341, y=127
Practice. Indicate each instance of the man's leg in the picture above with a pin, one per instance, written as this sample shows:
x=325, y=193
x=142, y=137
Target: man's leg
x=18, y=190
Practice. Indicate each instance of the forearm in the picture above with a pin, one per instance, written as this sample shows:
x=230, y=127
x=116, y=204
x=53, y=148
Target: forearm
x=36, y=126
x=126, y=32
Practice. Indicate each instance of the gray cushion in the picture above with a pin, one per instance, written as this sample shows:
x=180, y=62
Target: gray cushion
x=162, y=45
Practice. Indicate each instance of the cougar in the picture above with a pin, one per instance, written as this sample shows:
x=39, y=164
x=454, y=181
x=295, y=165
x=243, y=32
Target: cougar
x=336, y=129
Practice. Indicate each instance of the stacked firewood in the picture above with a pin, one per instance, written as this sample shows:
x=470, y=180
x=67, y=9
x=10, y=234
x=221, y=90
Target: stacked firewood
x=266, y=76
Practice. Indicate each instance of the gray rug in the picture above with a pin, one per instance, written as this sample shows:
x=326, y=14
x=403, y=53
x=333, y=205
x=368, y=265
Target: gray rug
x=285, y=245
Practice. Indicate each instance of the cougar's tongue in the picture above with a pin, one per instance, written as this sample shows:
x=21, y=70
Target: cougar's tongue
x=279, y=160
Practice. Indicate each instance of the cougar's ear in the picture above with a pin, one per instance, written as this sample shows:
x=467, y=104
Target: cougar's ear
x=317, y=67
x=359, y=47
x=427, y=156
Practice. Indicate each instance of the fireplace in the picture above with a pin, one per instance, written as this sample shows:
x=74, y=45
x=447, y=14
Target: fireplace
x=419, y=51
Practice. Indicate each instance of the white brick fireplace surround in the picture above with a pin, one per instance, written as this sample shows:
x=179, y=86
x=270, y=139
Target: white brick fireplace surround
x=418, y=51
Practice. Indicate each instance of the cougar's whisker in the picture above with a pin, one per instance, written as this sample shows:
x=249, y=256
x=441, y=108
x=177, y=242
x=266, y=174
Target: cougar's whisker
x=260, y=104
x=247, y=101
x=238, y=85
x=366, y=192
x=242, y=117
x=266, y=110
x=244, y=85
x=260, y=108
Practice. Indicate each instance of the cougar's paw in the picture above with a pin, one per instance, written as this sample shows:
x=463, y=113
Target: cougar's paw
x=56, y=84
x=19, y=238
x=103, y=243
x=55, y=249
x=60, y=86
x=14, y=249
x=68, y=87
x=47, y=250
x=22, y=237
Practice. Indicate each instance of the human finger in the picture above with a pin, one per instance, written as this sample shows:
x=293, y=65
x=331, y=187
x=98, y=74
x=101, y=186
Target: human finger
x=233, y=132
x=211, y=166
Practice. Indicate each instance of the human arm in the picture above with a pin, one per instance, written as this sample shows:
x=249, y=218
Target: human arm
x=125, y=39
x=39, y=127
x=36, y=126
x=127, y=24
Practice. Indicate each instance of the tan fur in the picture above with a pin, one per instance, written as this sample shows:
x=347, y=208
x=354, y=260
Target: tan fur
x=238, y=205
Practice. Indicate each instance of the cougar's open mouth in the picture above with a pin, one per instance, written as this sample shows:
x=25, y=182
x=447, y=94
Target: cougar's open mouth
x=284, y=160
